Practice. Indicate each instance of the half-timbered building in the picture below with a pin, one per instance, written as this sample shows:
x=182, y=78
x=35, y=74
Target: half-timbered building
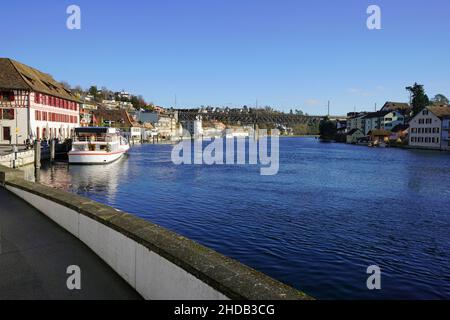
x=33, y=105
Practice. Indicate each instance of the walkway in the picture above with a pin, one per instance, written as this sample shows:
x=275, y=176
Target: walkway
x=35, y=253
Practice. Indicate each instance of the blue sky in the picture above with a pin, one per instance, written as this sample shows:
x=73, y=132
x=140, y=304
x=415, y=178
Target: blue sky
x=288, y=53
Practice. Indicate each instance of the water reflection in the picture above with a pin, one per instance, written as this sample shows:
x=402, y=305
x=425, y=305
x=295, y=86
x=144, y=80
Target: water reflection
x=87, y=179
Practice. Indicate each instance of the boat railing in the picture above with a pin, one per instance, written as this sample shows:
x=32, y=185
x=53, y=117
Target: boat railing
x=93, y=139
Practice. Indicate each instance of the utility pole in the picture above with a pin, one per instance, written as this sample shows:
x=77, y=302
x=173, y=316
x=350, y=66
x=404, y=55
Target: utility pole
x=328, y=108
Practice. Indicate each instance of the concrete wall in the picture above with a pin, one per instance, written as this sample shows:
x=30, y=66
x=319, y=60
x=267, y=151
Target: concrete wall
x=158, y=263
x=23, y=159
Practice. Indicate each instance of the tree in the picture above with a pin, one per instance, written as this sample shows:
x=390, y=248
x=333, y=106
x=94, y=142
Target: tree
x=440, y=99
x=66, y=85
x=419, y=99
x=327, y=129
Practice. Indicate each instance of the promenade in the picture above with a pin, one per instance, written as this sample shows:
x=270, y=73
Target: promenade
x=35, y=253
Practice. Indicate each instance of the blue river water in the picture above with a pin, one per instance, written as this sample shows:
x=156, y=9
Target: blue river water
x=332, y=211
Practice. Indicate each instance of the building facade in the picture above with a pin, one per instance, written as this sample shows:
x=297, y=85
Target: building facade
x=429, y=129
x=356, y=121
x=392, y=119
x=33, y=106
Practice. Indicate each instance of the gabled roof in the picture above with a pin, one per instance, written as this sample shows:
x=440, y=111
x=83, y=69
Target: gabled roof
x=396, y=106
x=17, y=76
x=377, y=114
x=353, y=131
x=119, y=117
x=440, y=112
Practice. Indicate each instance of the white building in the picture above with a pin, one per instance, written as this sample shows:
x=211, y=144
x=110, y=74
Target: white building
x=193, y=127
x=393, y=119
x=33, y=105
x=356, y=121
x=429, y=129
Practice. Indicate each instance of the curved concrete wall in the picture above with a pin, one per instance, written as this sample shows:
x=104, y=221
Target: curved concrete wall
x=158, y=263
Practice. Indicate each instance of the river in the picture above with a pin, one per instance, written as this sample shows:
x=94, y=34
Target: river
x=332, y=211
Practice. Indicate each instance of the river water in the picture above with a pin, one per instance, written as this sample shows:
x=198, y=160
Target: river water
x=332, y=211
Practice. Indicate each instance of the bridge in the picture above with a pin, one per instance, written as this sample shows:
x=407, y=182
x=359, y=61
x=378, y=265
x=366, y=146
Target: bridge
x=252, y=117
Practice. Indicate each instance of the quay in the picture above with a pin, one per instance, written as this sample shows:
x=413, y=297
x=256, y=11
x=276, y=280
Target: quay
x=35, y=254
x=44, y=230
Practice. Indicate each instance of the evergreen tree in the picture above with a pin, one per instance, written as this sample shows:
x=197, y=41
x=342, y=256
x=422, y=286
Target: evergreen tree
x=419, y=99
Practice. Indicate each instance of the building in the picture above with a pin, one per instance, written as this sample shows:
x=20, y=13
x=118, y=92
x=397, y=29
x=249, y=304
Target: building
x=192, y=127
x=429, y=129
x=356, y=121
x=164, y=124
x=379, y=135
x=33, y=105
x=213, y=129
x=123, y=95
x=393, y=119
x=354, y=135
x=86, y=109
x=404, y=108
x=399, y=133
x=118, y=118
x=374, y=121
x=111, y=104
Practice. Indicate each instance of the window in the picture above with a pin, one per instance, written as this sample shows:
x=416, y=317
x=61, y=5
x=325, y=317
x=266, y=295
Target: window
x=6, y=96
x=8, y=114
x=37, y=98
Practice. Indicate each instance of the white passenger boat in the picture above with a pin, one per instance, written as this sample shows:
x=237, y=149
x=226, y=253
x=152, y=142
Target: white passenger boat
x=97, y=145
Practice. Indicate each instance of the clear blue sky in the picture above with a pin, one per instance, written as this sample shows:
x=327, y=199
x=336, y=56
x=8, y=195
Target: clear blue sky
x=287, y=53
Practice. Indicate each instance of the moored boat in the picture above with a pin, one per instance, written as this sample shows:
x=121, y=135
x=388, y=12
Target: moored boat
x=97, y=145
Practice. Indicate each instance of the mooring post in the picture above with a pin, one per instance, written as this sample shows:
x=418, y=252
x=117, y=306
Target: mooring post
x=15, y=151
x=37, y=154
x=52, y=150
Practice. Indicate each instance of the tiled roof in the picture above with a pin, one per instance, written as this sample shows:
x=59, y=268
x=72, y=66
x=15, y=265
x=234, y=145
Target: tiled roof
x=379, y=132
x=15, y=75
x=377, y=114
x=119, y=117
x=440, y=112
x=396, y=106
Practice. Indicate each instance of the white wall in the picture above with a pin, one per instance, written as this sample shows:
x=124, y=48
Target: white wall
x=153, y=276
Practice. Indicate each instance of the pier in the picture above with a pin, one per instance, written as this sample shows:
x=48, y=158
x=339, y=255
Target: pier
x=44, y=230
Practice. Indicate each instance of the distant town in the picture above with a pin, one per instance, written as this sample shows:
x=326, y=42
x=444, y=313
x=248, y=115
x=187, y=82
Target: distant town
x=34, y=106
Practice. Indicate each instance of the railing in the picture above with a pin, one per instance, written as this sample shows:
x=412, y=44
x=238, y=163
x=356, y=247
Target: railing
x=93, y=139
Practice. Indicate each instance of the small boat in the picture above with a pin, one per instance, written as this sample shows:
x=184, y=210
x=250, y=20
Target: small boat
x=97, y=145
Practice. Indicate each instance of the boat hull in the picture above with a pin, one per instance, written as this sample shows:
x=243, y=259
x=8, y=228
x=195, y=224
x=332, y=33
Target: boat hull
x=94, y=157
